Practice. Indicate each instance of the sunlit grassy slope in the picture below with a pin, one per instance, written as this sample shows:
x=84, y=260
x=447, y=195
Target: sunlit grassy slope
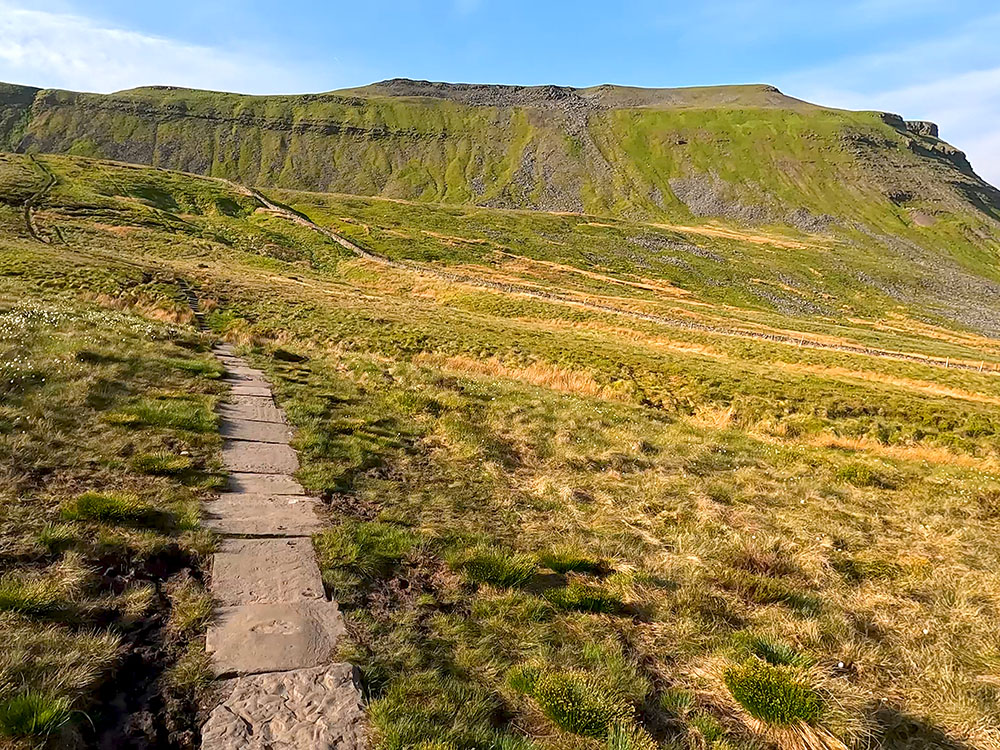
x=556, y=526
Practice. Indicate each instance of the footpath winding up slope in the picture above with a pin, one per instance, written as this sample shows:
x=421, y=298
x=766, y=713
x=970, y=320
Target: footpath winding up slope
x=274, y=630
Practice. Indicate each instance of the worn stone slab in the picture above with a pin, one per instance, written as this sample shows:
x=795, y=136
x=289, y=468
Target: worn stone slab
x=243, y=375
x=251, y=389
x=264, y=484
x=254, y=431
x=261, y=515
x=262, y=458
x=223, y=350
x=265, y=571
x=256, y=408
x=255, y=638
x=306, y=709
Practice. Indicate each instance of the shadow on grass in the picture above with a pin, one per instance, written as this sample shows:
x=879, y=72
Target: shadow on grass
x=895, y=730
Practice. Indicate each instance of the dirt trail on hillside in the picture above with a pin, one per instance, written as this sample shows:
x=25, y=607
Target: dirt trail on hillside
x=36, y=198
x=787, y=339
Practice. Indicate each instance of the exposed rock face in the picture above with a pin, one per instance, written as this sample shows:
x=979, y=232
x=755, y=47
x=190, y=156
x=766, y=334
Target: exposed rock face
x=727, y=151
x=922, y=127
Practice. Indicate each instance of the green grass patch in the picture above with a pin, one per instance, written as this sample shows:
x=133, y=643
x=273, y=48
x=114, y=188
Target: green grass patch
x=863, y=475
x=576, y=702
x=772, y=650
x=172, y=413
x=114, y=508
x=31, y=596
x=498, y=566
x=583, y=597
x=160, y=464
x=33, y=714
x=206, y=368
x=773, y=694
x=567, y=560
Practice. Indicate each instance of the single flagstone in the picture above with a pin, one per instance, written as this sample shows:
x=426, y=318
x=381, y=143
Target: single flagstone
x=264, y=484
x=263, y=458
x=254, y=431
x=251, y=389
x=258, y=514
x=255, y=638
x=265, y=571
x=305, y=709
x=256, y=408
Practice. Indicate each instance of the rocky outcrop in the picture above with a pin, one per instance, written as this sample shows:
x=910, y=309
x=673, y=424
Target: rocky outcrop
x=922, y=127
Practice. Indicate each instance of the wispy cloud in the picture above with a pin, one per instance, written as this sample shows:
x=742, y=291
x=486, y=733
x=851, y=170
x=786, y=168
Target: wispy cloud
x=70, y=51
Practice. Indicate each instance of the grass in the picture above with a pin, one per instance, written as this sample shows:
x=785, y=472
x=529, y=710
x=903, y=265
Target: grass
x=172, y=413
x=583, y=597
x=772, y=694
x=108, y=508
x=704, y=481
x=33, y=714
x=160, y=464
x=568, y=560
x=85, y=538
x=498, y=567
x=575, y=702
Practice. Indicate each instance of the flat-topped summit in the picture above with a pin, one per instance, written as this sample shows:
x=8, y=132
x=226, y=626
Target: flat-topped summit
x=604, y=95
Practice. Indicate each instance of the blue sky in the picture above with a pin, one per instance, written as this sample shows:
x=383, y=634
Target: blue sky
x=922, y=59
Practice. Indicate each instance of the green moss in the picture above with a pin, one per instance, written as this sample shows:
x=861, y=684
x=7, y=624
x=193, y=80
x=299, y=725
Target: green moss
x=772, y=694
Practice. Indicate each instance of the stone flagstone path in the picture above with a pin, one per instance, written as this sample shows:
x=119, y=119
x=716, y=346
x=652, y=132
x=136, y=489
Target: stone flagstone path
x=274, y=632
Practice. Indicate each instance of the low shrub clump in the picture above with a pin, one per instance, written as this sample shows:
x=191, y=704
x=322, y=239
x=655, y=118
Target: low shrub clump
x=499, y=567
x=775, y=695
x=583, y=597
x=573, y=701
x=108, y=508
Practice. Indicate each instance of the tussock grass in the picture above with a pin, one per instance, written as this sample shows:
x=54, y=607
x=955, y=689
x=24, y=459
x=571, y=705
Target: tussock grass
x=568, y=560
x=190, y=609
x=773, y=694
x=863, y=475
x=177, y=413
x=498, y=567
x=160, y=463
x=32, y=714
x=582, y=597
x=575, y=702
x=114, y=508
x=770, y=649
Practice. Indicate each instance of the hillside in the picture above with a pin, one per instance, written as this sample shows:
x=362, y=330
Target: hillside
x=557, y=467
x=748, y=153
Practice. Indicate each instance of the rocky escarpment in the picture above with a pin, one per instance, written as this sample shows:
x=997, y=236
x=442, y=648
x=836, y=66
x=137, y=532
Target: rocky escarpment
x=613, y=150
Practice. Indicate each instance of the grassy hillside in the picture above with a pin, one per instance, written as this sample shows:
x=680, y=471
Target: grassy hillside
x=746, y=152
x=550, y=525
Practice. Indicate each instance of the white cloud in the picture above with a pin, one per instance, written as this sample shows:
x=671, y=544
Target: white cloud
x=63, y=50
x=953, y=81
